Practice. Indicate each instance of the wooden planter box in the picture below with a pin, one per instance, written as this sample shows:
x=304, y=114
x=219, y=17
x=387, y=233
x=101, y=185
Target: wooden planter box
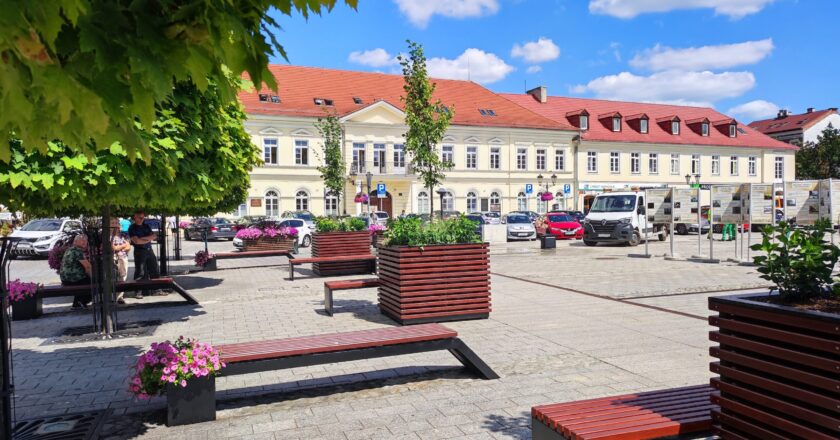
x=333, y=244
x=434, y=283
x=29, y=308
x=779, y=370
x=269, y=244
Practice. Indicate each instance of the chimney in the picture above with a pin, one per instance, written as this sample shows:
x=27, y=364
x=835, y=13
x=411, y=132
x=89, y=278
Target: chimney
x=810, y=110
x=782, y=114
x=539, y=93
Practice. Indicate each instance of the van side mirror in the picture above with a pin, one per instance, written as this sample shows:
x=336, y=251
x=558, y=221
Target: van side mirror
x=640, y=210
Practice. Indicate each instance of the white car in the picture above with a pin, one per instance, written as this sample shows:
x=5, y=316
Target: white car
x=304, y=231
x=40, y=235
x=381, y=217
x=519, y=227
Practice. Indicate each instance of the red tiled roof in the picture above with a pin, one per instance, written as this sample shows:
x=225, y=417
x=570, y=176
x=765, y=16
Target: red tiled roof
x=299, y=86
x=557, y=108
x=791, y=122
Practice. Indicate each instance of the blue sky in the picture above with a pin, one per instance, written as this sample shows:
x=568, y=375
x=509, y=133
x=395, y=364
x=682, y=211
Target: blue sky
x=743, y=57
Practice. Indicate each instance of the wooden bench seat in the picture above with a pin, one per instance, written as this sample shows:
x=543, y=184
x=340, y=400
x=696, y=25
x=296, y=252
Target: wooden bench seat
x=261, y=356
x=332, y=286
x=371, y=259
x=251, y=254
x=59, y=291
x=650, y=415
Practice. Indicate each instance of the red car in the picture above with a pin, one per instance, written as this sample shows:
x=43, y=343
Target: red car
x=562, y=225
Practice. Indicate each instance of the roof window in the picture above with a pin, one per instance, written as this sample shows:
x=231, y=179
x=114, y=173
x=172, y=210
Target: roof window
x=357, y=100
x=323, y=101
x=487, y=112
x=263, y=97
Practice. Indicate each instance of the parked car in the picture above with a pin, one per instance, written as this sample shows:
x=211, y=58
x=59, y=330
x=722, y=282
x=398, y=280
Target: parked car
x=450, y=214
x=40, y=235
x=562, y=226
x=216, y=228
x=304, y=231
x=479, y=221
x=533, y=216
x=303, y=215
x=382, y=217
x=519, y=227
x=490, y=217
x=578, y=215
x=425, y=218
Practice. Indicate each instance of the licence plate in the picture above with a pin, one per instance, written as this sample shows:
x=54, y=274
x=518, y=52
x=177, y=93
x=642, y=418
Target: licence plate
x=24, y=245
x=570, y=233
x=522, y=234
x=603, y=235
x=225, y=229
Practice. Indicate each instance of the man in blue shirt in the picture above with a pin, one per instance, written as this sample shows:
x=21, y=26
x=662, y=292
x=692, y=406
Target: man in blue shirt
x=124, y=225
x=141, y=236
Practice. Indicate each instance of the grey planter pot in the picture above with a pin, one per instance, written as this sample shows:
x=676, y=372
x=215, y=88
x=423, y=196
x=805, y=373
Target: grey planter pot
x=194, y=403
x=29, y=308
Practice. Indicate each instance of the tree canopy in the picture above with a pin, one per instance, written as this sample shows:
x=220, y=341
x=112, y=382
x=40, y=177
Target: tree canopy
x=84, y=71
x=200, y=163
x=820, y=160
x=334, y=169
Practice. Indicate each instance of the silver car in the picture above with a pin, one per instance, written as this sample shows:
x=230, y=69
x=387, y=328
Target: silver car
x=519, y=227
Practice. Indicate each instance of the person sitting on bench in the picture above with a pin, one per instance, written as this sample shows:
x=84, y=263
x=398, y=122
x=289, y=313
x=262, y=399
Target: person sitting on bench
x=75, y=269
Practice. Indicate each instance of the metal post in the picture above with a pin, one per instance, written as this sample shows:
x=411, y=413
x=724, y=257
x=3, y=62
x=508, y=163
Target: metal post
x=699, y=227
x=647, y=230
x=711, y=225
x=164, y=270
x=204, y=236
x=6, y=386
x=177, y=237
x=671, y=230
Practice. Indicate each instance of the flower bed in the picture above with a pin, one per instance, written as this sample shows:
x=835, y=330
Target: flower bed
x=26, y=303
x=377, y=234
x=256, y=239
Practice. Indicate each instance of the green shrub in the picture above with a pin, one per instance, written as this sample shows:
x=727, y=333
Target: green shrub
x=350, y=224
x=412, y=232
x=798, y=261
x=327, y=224
x=353, y=224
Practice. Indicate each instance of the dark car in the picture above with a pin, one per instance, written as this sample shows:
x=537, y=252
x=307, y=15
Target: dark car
x=479, y=220
x=216, y=228
x=578, y=215
x=425, y=218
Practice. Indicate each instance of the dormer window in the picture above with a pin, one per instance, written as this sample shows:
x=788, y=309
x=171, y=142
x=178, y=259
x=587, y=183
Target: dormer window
x=616, y=123
x=584, y=122
x=675, y=127
x=643, y=125
x=263, y=97
x=733, y=130
x=704, y=129
x=323, y=101
x=357, y=100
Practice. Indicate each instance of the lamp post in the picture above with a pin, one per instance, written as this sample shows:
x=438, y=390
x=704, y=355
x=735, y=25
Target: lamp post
x=696, y=184
x=540, y=180
x=441, y=192
x=369, y=177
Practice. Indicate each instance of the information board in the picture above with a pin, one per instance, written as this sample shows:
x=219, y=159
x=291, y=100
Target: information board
x=726, y=204
x=802, y=201
x=834, y=201
x=658, y=207
x=685, y=204
x=760, y=206
x=825, y=198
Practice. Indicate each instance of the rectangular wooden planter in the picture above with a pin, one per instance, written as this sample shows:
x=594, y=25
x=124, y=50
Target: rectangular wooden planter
x=779, y=370
x=434, y=283
x=333, y=244
x=269, y=244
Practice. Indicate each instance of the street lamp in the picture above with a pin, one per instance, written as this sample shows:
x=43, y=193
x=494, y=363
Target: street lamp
x=369, y=177
x=441, y=192
x=689, y=176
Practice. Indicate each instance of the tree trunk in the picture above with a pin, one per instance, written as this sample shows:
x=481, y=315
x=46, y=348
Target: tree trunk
x=106, y=288
x=431, y=204
x=164, y=270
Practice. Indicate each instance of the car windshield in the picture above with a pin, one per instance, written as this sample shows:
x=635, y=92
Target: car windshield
x=381, y=214
x=42, y=225
x=626, y=203
x=557, y=218
x=492, y=214
x=303, y=216
x=219, y=221
x=292, y=223
x=518, y=219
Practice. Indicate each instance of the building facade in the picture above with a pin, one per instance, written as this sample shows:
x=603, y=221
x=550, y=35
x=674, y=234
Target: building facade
x=798, y=129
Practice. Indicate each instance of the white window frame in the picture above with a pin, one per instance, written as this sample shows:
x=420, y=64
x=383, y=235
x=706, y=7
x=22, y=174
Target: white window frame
x=472, y=202
x=521, y=158
x=423, y=203
x=495, y=199
x=448, y=202
x=302, y=200
x=752, y=168
x=591, y=162
x=779, y=168
x=704, y=129
x=447, y=154
x=270, y=152
x=584, y=122
x=330, y=203
x=359, y=154
x=733, y=130
x=615, y=162
x=653, y=163
x=636, y=163
x=378, y=158
x=301, y=152
x=521, y=202
x=560, y=160
x=495, y=158
x=715, y=165
x=399, y=156
x=541, y=159
x=734, y=166
x=675, y=128
x=272, y=197
x=675, y=160
x=644, y=125
x=616, y=124
x=472, y=157
x=695, y=160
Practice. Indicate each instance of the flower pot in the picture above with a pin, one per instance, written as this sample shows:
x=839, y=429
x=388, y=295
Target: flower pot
x=779, y=369
x=269, y=244
x=548, y=242
x=376, y=238
x=29, y=308
x=210, y=265
x=331, y=244
x=194, y=403
x=434, y=283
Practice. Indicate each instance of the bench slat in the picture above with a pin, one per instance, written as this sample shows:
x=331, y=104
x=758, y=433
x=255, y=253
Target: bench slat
x=351, y=284
x=334, y=342
x=296, y=261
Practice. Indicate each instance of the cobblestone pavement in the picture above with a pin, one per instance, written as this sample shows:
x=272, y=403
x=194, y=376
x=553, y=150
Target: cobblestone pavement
x=567, y=324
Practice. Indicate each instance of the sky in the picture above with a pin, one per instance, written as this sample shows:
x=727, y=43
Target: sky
x=746, y=58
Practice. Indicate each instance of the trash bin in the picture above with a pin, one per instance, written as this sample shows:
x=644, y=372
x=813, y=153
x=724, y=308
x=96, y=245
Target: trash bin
x=548, y=242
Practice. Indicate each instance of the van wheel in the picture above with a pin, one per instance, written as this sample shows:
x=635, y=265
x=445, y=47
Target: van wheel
x=590, y=243
x=663, y=235
x=635, y=239
x=682, y=229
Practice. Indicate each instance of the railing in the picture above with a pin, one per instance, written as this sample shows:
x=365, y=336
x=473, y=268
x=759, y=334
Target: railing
x=402, y=168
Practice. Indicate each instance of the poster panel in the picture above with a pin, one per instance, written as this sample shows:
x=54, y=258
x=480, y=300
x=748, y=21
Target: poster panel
x=658, y=208
x=825, y=198
x=760, y=207
x=685, y=204
x=802, y=201
x=726, y=204
x=834, y=204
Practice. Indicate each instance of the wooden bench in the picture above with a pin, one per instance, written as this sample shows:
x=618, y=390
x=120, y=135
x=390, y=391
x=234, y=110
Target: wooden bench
x=262, y=356
x=639, y=416
x=211, y=264
x=371, y=259
x=127, y=286
x=332, y=286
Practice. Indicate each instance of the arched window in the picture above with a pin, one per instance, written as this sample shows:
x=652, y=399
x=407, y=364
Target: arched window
x=542, y=207
x=423, y=203
x=272, y=203
x=302, y=201
x=495, y=202
x=472, y=202
x=521, y=202
x=448, y=202
x=330, y=203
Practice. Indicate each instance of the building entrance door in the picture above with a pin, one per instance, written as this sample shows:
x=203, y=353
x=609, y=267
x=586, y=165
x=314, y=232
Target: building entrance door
x=383, y=204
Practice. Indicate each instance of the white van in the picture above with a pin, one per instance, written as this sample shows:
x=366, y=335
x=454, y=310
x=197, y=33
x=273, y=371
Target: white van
x=619, y=217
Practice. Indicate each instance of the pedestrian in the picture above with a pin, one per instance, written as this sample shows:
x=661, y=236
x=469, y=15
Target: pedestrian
x=728, y=232
x=75, y=269
x=120, y=246
x=402, y=214
x=142, y=236
x=124, y=224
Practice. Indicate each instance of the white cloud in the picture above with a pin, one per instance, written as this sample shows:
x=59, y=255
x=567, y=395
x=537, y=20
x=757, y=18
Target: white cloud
x=373, y=58
x=419, y=12
x=734, y=9
x=533, y=69
x=474, y=64
x=705, y=57
x=536, y=52
x=754, y=110
x=675, y=87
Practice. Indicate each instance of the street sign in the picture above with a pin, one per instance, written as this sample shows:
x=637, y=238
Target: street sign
x=567, y=189
x=380, y=191
x=529, y=188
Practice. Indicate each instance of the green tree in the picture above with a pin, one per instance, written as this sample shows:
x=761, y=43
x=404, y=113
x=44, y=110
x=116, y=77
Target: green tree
x=82, y=70
x=820, y=160
x=427, y=121
x=334, y=169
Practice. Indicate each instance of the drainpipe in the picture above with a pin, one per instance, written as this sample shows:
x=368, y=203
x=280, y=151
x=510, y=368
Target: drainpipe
x=576, y=160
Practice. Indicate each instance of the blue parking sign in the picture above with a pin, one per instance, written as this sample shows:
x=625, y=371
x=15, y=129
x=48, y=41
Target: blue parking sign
x=529, y=188
x=380, y=190
x=567, y=189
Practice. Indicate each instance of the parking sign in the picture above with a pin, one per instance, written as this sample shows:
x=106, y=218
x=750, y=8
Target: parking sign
x=567, y=189
x=529, y=188
x=380, y=190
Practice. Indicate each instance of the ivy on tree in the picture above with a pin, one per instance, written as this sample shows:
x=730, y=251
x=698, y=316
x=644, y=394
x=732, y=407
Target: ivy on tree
x=334, y=169
x=200, y=163
x=820, y=160
x=85, y=70
x=427, y=121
